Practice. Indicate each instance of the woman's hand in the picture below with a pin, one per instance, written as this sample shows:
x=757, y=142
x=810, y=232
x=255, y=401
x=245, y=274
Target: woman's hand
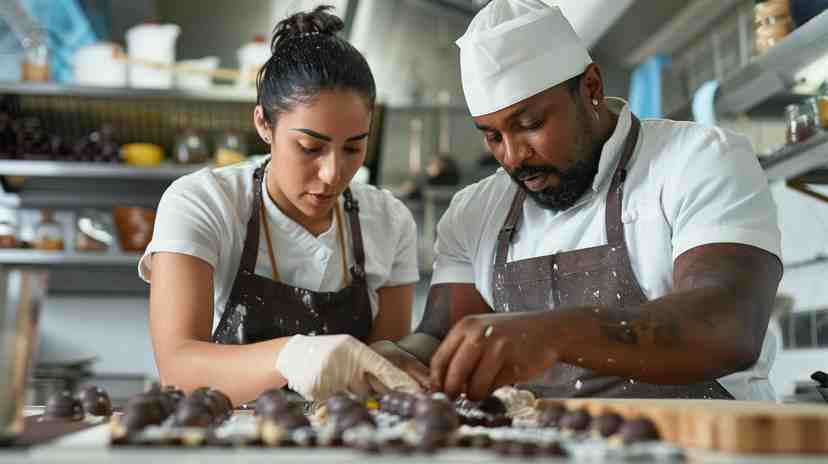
x=320, y=366
x=404, y=361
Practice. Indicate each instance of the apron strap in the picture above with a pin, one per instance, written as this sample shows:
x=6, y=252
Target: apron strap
x=251, y=242
x=352, y=207
x=612, y=221
x=504, y=237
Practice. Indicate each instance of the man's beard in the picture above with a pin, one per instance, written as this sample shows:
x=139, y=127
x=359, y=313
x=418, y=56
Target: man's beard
x=573, y=182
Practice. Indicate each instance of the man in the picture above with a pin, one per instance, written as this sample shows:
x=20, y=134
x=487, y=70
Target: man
x=609, y=257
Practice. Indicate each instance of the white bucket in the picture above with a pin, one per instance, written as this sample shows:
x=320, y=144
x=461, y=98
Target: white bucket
x=252, y=56
x=185, y=79
x=152, y=43
x=97, y=65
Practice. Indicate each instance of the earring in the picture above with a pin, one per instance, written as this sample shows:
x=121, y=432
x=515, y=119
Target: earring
x=266, y=139
x=595, y=102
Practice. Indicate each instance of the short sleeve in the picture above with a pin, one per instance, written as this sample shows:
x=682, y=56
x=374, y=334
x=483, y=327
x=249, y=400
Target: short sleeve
x=718, y=193
x=189, y=220
x=404, y=268
x=453, y=260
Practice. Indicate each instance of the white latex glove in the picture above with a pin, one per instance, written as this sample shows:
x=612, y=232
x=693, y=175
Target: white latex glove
x=320, y=366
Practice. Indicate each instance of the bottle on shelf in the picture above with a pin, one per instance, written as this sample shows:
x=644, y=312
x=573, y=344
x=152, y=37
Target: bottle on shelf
x=49, y=232
x=8, y=228
x=800, y=126
x=822, y=105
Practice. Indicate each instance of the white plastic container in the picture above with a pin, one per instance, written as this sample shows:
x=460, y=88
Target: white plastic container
x=97, y=65
x=185, y=79
x=252, y=56
x=153, y=43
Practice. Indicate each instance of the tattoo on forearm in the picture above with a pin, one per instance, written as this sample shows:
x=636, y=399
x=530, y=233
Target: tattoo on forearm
x=628, y=328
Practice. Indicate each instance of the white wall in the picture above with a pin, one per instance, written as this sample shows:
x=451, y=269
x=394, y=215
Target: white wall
x=116, y=330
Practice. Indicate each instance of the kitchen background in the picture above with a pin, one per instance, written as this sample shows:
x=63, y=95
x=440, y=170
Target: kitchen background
x=75, y=119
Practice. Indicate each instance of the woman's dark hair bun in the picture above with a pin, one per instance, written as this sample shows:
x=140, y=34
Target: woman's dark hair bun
x=318, y=21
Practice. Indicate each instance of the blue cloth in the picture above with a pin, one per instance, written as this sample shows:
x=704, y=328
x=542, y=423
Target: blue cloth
x=645, y=87
x=67, y=30
x=704, y=109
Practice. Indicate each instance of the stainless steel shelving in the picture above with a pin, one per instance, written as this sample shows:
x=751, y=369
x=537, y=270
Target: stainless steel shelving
x=57, y=258
x=214, y=94
x=776, y=70
x=165, y=171
x=795, y=160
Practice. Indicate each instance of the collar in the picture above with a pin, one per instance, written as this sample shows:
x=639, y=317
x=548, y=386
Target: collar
x=614, y=146
x=612, y=150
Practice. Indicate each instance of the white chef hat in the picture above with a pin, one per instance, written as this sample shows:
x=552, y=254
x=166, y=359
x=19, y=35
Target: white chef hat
x=514, y=49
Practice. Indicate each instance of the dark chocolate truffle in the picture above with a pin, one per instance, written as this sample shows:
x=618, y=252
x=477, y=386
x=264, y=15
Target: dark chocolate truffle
x=551, y=414
x=271, y=403
x=350, y=418
x=340, y=403
x=219, y=404
x=193, y=411
x=607, y=424
x=576, y=421
x=64, y=406
x=95, y=401
x=639, y=430
x=290, y=420
x=143, y=410
x=492, y=405
x=174, y=393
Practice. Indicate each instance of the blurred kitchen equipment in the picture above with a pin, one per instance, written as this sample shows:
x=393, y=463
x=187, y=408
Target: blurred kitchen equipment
x=8, y=228
x=33, y=39
x=134, y=226
x=155, y=43
x=821, y=378
x=773, y=22
x=230, y=148
x=94, y=230
x=191, y=147
x=22, y=293
x=442, y=169
x=100, y=64
x=195, y=74
x=822, y=105
x=48, y=232
x=252, y=56
x=50, y=378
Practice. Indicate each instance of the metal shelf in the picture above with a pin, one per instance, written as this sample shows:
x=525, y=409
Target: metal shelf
x=165, y=171
x=56, y=258
x=794, y=160
x=214, y=94
x=776, y=70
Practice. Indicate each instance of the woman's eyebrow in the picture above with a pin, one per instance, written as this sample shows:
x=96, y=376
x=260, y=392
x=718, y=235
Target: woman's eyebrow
x=328, y=138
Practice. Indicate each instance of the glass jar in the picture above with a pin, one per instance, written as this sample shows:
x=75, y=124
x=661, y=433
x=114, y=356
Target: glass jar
x=191, y=147
x=822, y=105
x=800, y=126
x=8, y=228
x=48, y=233
x=230, y=149
x=35, y=63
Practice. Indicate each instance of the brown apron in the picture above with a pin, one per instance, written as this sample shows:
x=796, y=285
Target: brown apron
x=260, y=308
x=596, y=276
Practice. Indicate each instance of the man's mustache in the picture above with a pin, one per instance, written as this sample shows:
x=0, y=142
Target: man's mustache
x=524, y=172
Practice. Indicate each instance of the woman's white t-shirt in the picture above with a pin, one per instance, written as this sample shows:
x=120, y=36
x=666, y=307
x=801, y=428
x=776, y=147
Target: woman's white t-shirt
x=205, y=215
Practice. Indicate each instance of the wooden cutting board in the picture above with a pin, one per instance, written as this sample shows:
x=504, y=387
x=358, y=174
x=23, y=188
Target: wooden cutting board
x=739, y=427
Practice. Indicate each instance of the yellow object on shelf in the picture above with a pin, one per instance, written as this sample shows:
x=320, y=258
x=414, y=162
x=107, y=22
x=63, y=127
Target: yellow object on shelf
x=142, y=154
x=226, y=157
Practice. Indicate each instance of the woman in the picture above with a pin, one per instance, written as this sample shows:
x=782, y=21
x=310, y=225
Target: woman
x=254, y=266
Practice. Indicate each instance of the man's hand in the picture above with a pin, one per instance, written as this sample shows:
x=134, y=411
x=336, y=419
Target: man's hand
x=483, y=352
x=404, y=360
